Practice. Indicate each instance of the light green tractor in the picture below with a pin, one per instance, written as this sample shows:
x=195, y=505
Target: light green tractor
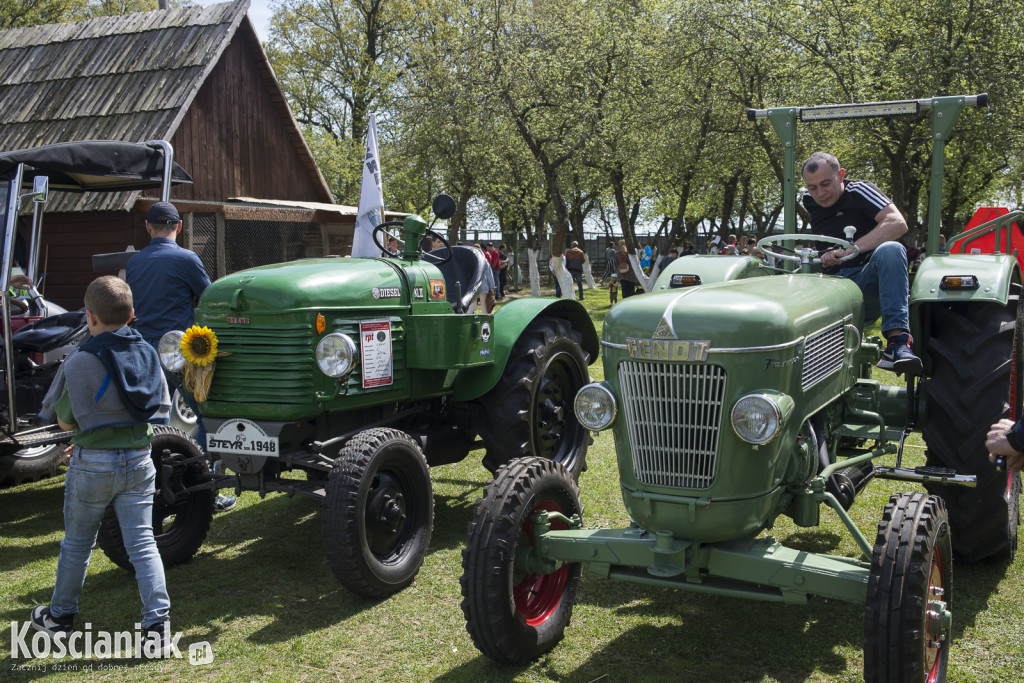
x=737, y=393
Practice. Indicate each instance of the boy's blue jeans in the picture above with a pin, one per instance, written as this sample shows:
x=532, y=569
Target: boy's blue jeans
x=95, y=478
x=885, y=284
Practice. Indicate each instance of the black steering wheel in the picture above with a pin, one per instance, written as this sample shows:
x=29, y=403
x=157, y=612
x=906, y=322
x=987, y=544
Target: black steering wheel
x=807, y=254
x=18, y=304
x=380, y=228
x=439, y=260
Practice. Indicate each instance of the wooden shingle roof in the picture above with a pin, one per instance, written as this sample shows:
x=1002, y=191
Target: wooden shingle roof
x=129, y=78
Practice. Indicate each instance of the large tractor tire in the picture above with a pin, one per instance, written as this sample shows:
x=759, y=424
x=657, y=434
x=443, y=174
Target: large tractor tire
x=181, y=519
x=513, y=613
x=31, y=464
x=530, y=410
x=974, y=349
x=907, y=617
x=378, y=513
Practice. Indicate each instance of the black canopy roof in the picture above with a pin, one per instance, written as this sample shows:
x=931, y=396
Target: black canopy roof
x=93, y=165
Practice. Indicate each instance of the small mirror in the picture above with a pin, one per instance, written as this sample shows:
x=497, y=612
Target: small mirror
x=444, y=206
x=40, y=189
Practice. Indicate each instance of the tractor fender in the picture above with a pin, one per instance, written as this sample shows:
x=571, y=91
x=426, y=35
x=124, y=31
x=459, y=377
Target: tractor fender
x=509, y=323
x=994, y=272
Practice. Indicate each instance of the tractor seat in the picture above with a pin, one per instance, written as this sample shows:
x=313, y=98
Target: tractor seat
x=50, y=333
x=465, y=268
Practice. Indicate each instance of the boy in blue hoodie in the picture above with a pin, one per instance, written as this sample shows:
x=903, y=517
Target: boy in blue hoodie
x=114, y=391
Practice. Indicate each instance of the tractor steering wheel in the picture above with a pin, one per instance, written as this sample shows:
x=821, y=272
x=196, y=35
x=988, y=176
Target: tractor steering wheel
x=431, y=233
x=437, y=236
x=807, y=254
x=380, y=228
x=18, y=304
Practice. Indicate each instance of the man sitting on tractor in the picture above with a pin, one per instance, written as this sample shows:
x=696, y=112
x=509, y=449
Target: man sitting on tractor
x=881, y=268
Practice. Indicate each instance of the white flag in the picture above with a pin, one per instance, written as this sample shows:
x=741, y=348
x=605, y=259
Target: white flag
x=371, y=198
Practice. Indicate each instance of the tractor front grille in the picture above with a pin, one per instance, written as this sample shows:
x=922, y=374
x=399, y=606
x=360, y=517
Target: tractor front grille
x=264, y=364
x=673, y=413
x=823, y=355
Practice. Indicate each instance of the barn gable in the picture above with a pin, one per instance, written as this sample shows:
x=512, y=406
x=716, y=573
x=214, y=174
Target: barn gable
x=196, y=76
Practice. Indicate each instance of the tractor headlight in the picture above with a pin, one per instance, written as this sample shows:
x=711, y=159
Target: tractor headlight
x=595, y=407
x=169, y=349
x=336, y=355
x=758, y=418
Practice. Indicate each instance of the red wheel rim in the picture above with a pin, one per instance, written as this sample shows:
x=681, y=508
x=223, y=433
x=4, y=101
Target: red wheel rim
x=537, y=596
x=935, y=638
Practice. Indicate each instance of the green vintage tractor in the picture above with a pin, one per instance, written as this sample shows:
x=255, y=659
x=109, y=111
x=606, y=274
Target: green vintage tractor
x=361, y=373
x=737, y=393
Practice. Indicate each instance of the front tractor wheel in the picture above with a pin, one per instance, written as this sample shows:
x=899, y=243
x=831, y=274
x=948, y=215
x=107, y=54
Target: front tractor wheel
x=976, y=354
x=378, y=513
x=516, y=605
x=181, y=519
x=530, y=410
x=907, y=622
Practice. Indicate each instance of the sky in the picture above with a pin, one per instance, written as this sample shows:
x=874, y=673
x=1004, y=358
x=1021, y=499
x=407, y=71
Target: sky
x=259, y=14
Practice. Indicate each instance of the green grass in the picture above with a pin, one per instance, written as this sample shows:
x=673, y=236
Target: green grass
x=261, y=593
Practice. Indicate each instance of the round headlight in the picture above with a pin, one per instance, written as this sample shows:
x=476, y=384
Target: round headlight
x=336, y=355
x=169, y=349
x=594, y=407
x=756, y=418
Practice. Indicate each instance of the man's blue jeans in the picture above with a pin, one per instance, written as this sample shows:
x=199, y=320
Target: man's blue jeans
x=95, y=478
x=578, y=279
x=885, y=285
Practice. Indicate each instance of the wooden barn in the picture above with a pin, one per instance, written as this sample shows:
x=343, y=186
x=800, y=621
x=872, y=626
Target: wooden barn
x=197, y=77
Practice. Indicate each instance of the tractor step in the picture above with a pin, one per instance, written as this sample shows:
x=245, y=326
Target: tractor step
x=943, y=475
x=44, y=436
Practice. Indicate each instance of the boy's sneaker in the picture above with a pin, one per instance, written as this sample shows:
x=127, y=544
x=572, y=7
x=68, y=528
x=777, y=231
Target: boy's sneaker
x=224, y=503
x=161, y=633
x=898, y=357
x=43, y=621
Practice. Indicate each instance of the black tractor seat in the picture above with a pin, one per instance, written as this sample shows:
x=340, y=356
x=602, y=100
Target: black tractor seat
x=50, y=332
x=465, y=269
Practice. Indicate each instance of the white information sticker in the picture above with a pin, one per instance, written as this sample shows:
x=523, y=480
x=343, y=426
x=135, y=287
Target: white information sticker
x=375, y=346
x=244, y=437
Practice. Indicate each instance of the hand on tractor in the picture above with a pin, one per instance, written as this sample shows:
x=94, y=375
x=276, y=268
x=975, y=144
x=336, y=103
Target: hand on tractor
x=830, y=257
x=998, y=444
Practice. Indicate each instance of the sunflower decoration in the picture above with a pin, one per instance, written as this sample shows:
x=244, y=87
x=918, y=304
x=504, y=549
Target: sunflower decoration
x=199, y=346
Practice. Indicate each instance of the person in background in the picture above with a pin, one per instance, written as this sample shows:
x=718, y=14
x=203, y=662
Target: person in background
x=574, y=261
x=114, y=390
x=166, y=281
x=392, y=251
x=494, y=261
x=689, y=249
x=486, y=297
x=624, y=271
x=503, y=261
x=668, y=258
x=609, y=261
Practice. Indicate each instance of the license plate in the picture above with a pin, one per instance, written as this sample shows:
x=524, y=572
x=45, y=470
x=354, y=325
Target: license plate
x=242, y=436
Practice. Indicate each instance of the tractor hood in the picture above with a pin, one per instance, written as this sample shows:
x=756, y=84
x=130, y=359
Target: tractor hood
x=309, y=284
x=754, y=312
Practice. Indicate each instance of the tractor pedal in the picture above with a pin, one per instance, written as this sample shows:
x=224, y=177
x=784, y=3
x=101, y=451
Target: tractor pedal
x=935, y=471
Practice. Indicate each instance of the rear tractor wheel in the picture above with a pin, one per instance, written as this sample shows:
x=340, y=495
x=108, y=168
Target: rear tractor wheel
x=976, y=352
x=530, y=410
